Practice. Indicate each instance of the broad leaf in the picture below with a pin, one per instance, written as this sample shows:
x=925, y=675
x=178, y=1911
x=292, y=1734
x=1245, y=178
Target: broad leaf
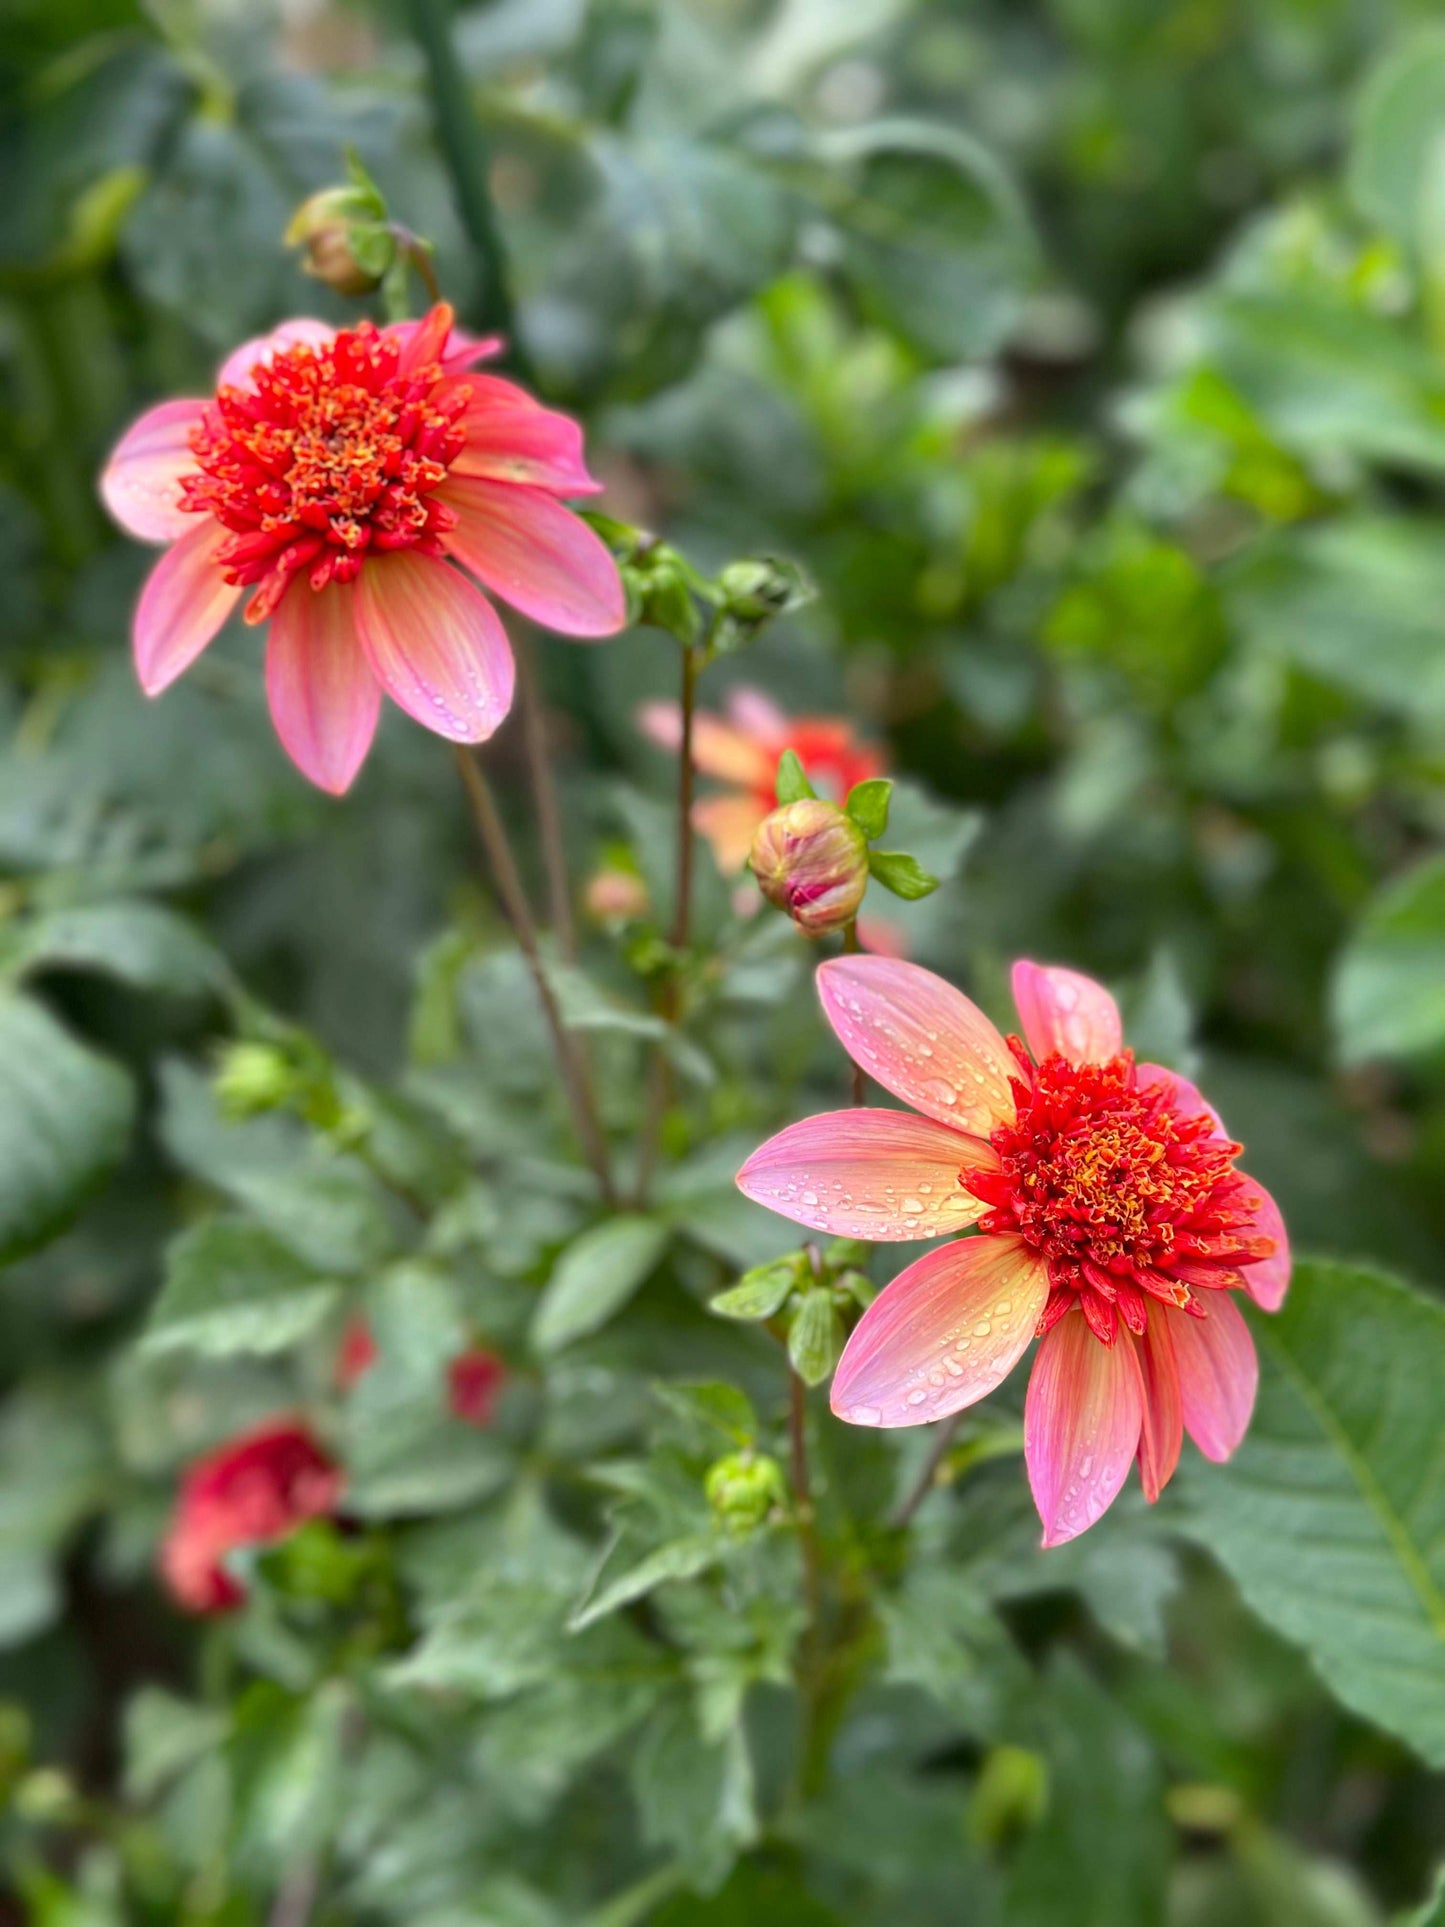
x=595, y=1277
x=234, y=1287
x=1389, y=989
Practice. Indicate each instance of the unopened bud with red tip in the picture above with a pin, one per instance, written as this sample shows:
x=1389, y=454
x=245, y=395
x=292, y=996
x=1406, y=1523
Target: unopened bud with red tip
x=811, y=860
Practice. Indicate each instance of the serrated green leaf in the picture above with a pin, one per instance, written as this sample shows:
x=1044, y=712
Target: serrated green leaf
x=758, y=1294
x=595, y=1277
x=815, y=1337
x=232, y=1287
x=904, y=875
x=679, y=1559
x=792, y=780
x=1331, y=1515
x=65, y=1118
x=867, y=804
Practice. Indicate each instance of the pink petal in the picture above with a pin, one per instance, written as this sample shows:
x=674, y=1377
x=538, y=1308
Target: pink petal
x=239, y=367
x=1082, y=1419
x=1063, y=1011
x=944, y=1334
x=921, y=1039
x=729, y=824
x=1162, y=1431
x=436, y=645
x=1268, y=1280
x=535, y=554
x=184, y=603
x=511, y=437
x=324, y=698
x=448, y=344
x=1187, y=1100
x=718, y=748
x=882, y=938
x=1218, y=1372
x=758, y=716
x=886, y=1176
x=140, y=485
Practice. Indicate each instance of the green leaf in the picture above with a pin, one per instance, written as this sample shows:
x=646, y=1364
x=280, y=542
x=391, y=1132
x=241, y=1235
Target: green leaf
x=759, y=1293
x=679, y=1559
x=595, y=1277
x=1389, y=990
x=867, y=804
x=65, y=1120
x=904, y=875
x=694, y=1798
x=815, y=1337
x=1397, y=125
x=709, y=1411
x=230, y=1287
x=792, y=782
x=142, y=944
x=1331, y=1516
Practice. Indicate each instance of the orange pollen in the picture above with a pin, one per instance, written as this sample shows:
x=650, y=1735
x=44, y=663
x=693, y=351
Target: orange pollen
x=1124, y=1196
x=333, y=452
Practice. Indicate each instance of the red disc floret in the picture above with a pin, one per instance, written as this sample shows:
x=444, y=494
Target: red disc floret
x=330, y=453
x=1126, y=1196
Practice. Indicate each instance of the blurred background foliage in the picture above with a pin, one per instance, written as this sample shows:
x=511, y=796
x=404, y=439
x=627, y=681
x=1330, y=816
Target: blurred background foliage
x=1090, y=355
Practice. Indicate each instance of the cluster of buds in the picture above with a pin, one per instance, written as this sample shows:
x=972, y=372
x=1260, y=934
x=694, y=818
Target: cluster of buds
x=813, y=860
x=804, y=1298
x=745, y=1489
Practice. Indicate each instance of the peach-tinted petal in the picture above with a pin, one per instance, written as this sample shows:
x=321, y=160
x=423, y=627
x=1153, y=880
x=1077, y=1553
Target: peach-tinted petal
x=535, y=554
x=718, y=749
x=882, y=938
x=944, y=1334
x=184, y=603
x=441, y=341
x=241, y=364
x=729, y=823
x=886, y=1176
x=1063, y=1011
x=1162, y=1431
x=324, y=698
x=1268, y=1280
x=1218, y=1372
x=511, y=437
x=921, y=1039
x=1082, y=1419
x=758, y=716
x=436, y=644
x=140, y=485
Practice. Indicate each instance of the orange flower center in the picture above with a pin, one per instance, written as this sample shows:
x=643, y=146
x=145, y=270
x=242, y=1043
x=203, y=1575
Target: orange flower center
x=1124, y=1196
x=331, y=453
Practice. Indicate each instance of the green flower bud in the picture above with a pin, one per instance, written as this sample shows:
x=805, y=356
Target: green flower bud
x=252, y=1078
x=743, y=1489
x=812, y=861
x=346, y=246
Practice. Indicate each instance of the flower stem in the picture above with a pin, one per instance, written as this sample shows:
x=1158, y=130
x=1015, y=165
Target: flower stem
x=544, y=794
x=813, y=1741
x=860, y=1082
x=508, y=883
x=464, y=149
x=944, y=1434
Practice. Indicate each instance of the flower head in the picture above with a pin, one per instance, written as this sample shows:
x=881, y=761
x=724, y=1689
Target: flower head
x=811, y=860
x=251, y=1491
x=1112, y=1222
x=346, y=479
x=741, y=749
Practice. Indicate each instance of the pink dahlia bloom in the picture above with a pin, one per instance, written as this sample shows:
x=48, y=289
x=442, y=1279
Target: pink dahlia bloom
x=251, y=1491
x=355, y=481
x=741, y=749
x=1112, y=1223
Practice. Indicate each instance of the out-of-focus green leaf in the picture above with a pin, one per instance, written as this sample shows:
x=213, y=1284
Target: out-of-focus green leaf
x=694, y=1798
x=1398, y=122
x=143, y=944
x=232, y=1287
x=595, y=1277
x=1389, y=989
x=1331, y=1515
x=65, y=1119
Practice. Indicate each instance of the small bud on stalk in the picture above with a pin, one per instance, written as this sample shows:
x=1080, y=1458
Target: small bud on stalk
x=811, y=860
x=252, y=1078
x=346, y=246
x=616, y=896
x=743, y=1489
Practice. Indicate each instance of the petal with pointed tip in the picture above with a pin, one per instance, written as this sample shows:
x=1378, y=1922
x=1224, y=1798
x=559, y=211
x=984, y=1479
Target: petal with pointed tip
x=1218, y=1372
x=184, y=603
x=324, y=698
x=436, y=645
x=1082, y=1419
x=457, y=349
x=1268, y=1280
x=1063, y=1011
x=141, y=482
x=886, y=1176
x=921, y=1039
x=535, y=554
x=1161, y=1432
x=511, y=437
x=943, y=1335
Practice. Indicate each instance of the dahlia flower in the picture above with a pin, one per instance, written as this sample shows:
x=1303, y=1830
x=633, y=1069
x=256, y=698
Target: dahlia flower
x=251, y=1491
x=741, y=749
x=1111, y=1222
x=347, y=479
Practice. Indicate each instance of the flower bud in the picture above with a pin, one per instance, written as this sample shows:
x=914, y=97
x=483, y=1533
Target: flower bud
x=812, y=861
x=252, y=1078
x=345, y=245
x=616, y=896
x=743, y=1489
